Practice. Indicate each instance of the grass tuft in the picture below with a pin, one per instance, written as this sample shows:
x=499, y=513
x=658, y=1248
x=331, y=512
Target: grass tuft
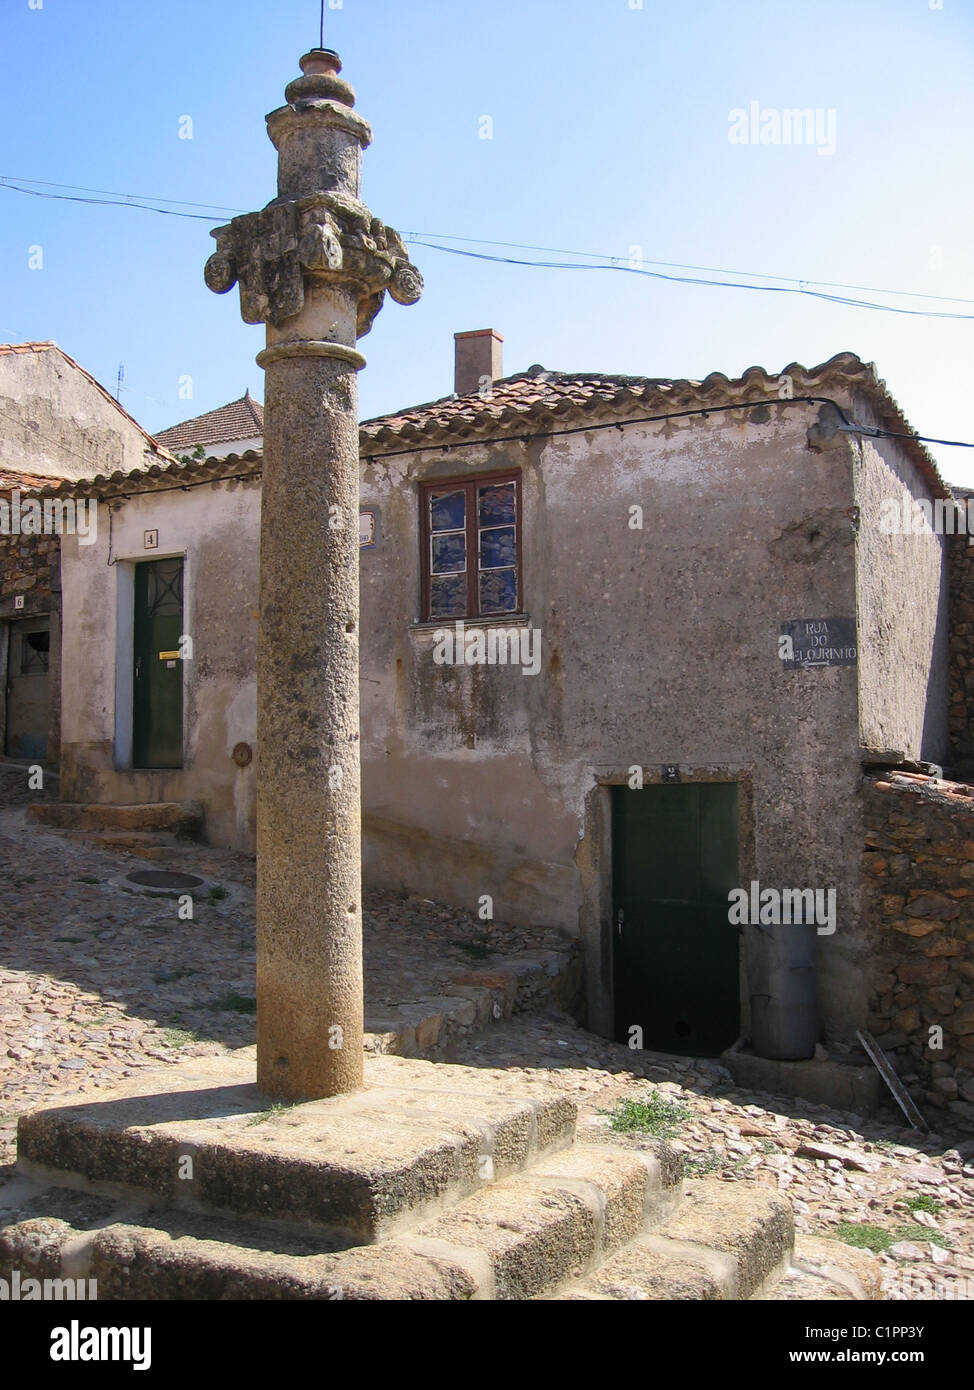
x=864, y=1236
x=277, y=1107
x=924, y=1202
x=703, y=1164
x=235, y=1004
x=180, y=1037
x=654, y=1115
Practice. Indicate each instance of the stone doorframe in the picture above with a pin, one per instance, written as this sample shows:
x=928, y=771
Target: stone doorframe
x=593, y=858
x=124, y=653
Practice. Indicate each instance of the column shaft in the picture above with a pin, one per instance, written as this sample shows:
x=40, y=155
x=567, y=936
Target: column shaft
x=309, y=944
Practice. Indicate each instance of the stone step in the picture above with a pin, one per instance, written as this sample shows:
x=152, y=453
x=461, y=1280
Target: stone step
x=472, y=1001
x=826, y=1270
x=517, y=1238
x=590, y=1223
x=434, y=1181
x=146, y=844
x=183, y=819
x=532, y=1233
x=417, y=1139
x=725, y=1241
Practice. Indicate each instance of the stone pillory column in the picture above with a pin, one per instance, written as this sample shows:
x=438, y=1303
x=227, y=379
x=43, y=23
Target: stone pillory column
x=313, y=266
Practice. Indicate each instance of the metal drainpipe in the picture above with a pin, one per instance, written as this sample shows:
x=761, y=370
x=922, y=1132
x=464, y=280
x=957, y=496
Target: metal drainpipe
x=784, y=1009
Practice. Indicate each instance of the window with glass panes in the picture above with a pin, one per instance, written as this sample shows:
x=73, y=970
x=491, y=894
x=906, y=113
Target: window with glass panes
x=472, y=547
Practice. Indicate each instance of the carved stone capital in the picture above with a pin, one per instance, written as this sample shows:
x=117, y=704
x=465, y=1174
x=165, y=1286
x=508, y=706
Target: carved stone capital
x=326, y=238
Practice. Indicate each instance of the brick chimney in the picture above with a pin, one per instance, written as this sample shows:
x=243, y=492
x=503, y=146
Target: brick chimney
x=478, y=360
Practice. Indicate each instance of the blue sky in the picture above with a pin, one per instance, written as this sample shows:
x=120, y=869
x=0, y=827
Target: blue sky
x=610, y=131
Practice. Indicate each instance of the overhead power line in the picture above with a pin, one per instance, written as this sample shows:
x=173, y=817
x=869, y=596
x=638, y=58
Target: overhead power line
x=13, y=180
x=791, y=285
x=798, y=287
x=679, y=265
x=123, y=202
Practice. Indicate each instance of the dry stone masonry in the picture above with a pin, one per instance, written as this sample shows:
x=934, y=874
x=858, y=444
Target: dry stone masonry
x=919, y=865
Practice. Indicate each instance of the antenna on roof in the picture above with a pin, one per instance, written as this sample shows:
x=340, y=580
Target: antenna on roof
x=121, y=378
x=321, y=40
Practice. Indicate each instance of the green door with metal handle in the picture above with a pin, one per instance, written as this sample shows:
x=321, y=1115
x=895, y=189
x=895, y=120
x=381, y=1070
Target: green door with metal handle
x=157, y=722
x=675, y=955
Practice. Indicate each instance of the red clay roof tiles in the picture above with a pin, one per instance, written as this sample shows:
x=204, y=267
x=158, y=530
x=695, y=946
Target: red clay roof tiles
x=243, y=419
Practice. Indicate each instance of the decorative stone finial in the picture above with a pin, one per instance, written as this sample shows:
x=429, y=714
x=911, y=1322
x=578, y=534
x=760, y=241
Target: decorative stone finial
x=317, y=234
x=320, y=79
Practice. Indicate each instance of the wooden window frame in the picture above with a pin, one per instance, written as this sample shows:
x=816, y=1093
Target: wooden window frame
x=469, y=483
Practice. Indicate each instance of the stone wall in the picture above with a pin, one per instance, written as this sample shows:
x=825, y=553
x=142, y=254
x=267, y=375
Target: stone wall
x=962, y=652
x=29, y=565
x=56, y=421
x=919, y=915
x=902, y=608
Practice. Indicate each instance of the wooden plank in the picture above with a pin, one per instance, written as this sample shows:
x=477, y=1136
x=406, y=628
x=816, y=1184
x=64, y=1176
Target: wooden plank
x=885, y=1068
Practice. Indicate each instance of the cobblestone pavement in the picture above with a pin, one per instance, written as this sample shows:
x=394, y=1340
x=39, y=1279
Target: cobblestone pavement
x=97, y=983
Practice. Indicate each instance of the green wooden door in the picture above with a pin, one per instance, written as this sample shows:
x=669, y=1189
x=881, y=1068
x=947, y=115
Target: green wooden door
x=157, y=723
x=675, y=956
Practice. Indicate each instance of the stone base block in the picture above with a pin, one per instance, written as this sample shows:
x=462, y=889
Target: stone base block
x=855, y=1086
x=416, y=1139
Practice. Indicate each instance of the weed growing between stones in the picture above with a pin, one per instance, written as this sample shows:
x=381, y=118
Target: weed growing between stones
x=914, y=1231
x=655, y=1116
x=703, y=1164
x=477, y=948
x=877, y=1239
x=864, y=1236
x=924, y=1202
x=277, y=1107
x=169, y=977
x=180, y=1037
x=234, y=1004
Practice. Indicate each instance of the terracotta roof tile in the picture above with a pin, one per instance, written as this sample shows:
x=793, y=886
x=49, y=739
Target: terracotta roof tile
x=543, y=397
x=17, y=349
x=12, y=477
x=924, y=785
x=536, y=401
x=243, y=419
x=246, y=467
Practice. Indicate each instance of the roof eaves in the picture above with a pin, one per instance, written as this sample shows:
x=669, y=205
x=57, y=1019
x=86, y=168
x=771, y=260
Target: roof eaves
x=24, y=482
x=438, y=421
x=175, y=475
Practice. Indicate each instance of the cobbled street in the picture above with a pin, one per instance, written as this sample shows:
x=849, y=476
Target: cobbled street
x=98, y=982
